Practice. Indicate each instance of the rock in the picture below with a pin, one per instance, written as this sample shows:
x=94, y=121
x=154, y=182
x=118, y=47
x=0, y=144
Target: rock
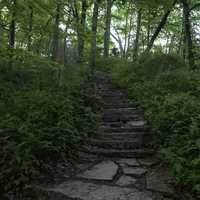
x=90, y=191
x=104, y=171
x=137, y=172
x=130, y=162
x=159, y=181
x=126, y=181
x=148, y=161
x=137, y=123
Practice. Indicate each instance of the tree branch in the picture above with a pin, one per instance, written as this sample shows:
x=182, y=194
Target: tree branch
x=195, y=6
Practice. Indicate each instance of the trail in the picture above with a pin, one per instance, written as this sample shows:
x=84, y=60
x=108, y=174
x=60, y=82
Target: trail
x=119, y=161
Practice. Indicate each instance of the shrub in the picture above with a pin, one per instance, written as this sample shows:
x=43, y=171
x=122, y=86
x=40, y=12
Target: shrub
x=169, y=93
x=43, y=116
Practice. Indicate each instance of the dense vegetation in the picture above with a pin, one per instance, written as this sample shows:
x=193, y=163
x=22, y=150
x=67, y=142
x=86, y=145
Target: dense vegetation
x=169, y=94
x=44, y=114
x=47, y=51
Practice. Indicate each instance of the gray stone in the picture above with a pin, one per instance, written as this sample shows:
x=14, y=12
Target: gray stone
x=159, y=181
x=130, y=162
x=90, y=191
x=137, y=123
x=105, y=170
x=148, y=162
x=137, y=171
x=126, y=181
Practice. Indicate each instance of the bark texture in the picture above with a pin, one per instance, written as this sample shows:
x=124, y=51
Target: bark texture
x=107, y=31
x=137, y=39
x=94, y=33
x=188, y=34
x=56, y=33
x=30, y=29
x=81, y=31
x=12, y=29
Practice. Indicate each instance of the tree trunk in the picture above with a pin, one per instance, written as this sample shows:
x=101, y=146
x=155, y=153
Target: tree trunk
x=107, y=31
x=188, y=34
x=65, y=47
x=149, y=27
x=171, y=45
x=81, y=31
x=30, y=29
x=94, y=33
x=159, y=28
x=136, y=45
x=12, y=25
x=126, y=35
x=182, y=40
x=1, y=33
x=56, y=33
x=119, y=41
x=129, y=36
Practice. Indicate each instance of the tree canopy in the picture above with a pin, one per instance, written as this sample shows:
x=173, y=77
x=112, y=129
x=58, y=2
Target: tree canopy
x=57, y=29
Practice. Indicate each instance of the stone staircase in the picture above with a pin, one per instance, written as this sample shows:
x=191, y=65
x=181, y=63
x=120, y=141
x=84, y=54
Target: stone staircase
x=119, y=161
x=123, y=132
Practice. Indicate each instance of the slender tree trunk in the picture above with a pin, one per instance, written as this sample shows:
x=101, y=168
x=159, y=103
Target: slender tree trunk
x=107, y=30
x=188, y=34
x=94, y=33
x=137, y=39
x=129, y=36
x=171, y=45
x=119, y=41
x=56, y=33
x=1, y=34
x=30, y=29
x=13, y=25
x=81, y=31
x=65, y=47
x=159, y=28
x=167, y=44
x=182, y=40
x=126, y=35
x=149, y=27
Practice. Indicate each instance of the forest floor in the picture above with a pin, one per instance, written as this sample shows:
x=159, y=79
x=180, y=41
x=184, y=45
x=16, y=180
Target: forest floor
x=119, y=162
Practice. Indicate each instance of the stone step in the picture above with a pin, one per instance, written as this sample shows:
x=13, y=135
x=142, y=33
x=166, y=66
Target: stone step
x=117, y=127
x=116, y=112
x=111, y=94
x=118, y=153
x=85, y=190
x=121, y=117
x=136, y=136
x=135, y=143
x=118, y=105
x=126, y=110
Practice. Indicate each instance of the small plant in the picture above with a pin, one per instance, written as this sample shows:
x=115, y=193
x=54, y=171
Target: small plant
x=169, y=94
x=43, y=116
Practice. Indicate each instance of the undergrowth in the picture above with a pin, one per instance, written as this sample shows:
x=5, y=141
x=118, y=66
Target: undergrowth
x=43, y=114
x=170, y=95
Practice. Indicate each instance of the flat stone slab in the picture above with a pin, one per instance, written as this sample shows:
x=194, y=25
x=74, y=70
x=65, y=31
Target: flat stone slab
x=159, y=181
x=129, y=162
x=90, y=191
x=148, y=161
x=104, y=171
x=126, y=181
x=134, y=171
x=137, y=123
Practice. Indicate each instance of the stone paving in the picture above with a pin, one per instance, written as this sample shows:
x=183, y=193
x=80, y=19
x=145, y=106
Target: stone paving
x=119, y=161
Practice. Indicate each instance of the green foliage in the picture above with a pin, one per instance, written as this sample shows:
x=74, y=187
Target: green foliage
x=169, y=93
x=44, y=114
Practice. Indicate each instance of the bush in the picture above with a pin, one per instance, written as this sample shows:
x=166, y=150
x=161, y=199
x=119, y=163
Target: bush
x=43, y=116
x=169, y=93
